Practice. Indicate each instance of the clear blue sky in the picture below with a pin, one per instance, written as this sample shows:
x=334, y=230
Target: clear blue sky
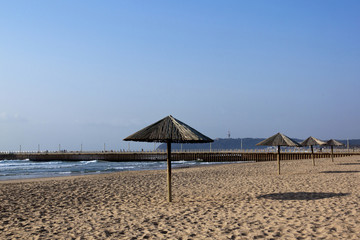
x=94, y=72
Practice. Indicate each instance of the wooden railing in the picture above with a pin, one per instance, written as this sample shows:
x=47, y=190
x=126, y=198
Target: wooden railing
x=208, y=156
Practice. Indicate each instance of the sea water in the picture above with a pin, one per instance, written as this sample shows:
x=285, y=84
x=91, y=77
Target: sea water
x=21, y=169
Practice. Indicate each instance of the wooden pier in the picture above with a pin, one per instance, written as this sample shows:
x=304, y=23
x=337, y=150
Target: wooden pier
x=206, y=156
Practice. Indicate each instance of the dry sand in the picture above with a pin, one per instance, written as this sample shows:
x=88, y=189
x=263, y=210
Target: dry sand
x=236, y=201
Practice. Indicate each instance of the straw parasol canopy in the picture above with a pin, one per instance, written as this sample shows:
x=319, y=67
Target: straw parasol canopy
x=169, y=130
x=333, y=143
x=311, y=141
x=279, y=140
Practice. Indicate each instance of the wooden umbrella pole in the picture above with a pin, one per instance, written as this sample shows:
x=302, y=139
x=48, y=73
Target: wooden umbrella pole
x=312, y=154
x=332, y=153
x=169, y=170
x=278, y=159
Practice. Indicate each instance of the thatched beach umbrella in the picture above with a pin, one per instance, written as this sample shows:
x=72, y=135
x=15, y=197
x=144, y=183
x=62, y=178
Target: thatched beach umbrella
x=311, y=141
x=169, y=130
x=333, y=143
x=279, y=140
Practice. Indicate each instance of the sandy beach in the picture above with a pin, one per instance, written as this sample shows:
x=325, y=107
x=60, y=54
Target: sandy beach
x=234, y=201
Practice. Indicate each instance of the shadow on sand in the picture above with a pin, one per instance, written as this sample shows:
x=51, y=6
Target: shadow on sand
x=301, y=195
x=348, y=163
x=340, y=172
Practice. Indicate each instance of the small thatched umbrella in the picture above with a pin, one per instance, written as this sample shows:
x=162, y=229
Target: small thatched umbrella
x=169, y=130
x=333, y=143
x=279, y=140
x=311, y=141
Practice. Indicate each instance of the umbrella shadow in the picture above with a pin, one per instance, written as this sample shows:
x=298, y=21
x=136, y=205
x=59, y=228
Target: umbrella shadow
x=348, y=163
x=301, y=195
x=340, y=172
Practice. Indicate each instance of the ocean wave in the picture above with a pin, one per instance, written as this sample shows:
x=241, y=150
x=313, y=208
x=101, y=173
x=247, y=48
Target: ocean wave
x=19, y=169
x=88, y=162
x=121, y=168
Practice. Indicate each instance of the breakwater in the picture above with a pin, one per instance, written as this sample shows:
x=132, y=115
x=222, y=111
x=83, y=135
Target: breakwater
x=209, y=156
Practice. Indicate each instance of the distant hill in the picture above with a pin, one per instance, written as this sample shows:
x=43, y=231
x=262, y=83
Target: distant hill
x=235, y=143
x=219, y=143
x=352, y=142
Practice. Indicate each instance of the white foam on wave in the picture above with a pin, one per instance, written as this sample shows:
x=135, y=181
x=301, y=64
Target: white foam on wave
x=88, y=162
x=124, y=167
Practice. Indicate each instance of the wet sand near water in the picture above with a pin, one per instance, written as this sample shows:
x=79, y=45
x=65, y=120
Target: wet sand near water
x=233, y=201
